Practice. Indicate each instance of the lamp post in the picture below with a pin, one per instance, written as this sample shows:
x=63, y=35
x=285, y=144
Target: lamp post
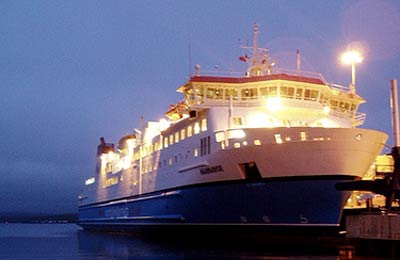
x=352, y=57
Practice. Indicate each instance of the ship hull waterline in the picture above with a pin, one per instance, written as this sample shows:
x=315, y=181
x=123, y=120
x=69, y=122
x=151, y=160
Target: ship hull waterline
x=291, y=202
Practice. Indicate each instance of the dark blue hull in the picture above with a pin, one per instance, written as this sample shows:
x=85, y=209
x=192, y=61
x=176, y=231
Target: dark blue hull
x=284, y=202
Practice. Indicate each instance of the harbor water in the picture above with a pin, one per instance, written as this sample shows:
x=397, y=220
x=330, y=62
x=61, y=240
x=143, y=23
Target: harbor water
x=69, y=241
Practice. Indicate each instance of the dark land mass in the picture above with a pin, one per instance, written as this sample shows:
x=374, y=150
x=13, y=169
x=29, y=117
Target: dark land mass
x=18, y=217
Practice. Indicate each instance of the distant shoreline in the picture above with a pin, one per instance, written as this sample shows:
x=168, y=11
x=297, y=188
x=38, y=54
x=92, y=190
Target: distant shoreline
x=38, y=218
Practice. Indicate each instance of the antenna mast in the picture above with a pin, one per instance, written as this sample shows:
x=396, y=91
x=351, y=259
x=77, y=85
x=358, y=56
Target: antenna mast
x=255, y=44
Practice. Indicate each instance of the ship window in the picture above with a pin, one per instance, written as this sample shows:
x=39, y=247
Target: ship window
x=196, y=128
x=219, y=93
x=299, y=93
x=287, y=92
x=323, y=99
x=161, y=143
x=237, y=120
x=166, y=142
x=189, y=131
x=343, y=106
x=111, y=181
x=176, y=137
x=334, y=104
x=352, y=107
x=268, y=91
x=278, y=138
x=211, y=93
x=204, y=124
x=220, y=136
x=170, y=161
x=236, y=145
x=231, y=92
x=171, y=139
x=183, y=133
x=257, y=142
x=310, y=94
x=176, y=158
x=303, y=136
x=199, y=94
x=249, y=93
x=196, y=152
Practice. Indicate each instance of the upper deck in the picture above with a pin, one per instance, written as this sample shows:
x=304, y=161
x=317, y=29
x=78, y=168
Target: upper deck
x=284, y=96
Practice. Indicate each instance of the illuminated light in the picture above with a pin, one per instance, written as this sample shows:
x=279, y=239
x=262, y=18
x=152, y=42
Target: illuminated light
x=326, y=110
x=327, y=123
x=130, y=143
x=236, y=134
x=303, y=136
x=278, y=138
x=236, y=145
x=163, y=124
x=274, y=104
x=244, y=143
x=125, y=162
x=196, y=128
x=152, y=130
x=110, y=156
x=258, y=120
x=257, y=142
x=220, y=136
x=90, y=181
x=351, y=57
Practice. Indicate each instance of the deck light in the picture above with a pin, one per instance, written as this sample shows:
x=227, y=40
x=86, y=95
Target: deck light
x=352, y=57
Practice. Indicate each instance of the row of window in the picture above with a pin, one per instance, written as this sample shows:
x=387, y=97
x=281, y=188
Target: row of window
x=173, y=138
x=219, y=93
x=278, y=139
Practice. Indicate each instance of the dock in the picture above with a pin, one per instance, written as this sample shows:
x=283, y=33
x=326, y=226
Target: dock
x=374, y=233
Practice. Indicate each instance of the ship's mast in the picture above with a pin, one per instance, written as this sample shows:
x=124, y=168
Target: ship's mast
x=260, y=63
x=255, y=44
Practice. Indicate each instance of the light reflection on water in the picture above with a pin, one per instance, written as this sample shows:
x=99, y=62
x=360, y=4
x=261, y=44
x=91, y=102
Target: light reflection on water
x=69, y=241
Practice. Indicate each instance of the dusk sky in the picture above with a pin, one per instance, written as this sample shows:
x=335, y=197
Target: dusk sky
x=73, y=71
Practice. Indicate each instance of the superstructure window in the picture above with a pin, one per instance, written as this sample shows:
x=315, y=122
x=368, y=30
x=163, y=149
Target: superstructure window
x=183, y=134
x=249, y=93
x=334, y=104
x=210, y=93
x=189, y=131
x=299, y=93
x=199, y=94
x=231, y=92
x=343, y=107
x=238, y=120
x=219, y=93
x=196, y=128
x=204, y=124
x=268, y=91
x=287, y=92
x=177, y=137
x=310, y=94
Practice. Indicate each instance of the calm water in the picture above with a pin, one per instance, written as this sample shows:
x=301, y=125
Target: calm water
x=69, y=241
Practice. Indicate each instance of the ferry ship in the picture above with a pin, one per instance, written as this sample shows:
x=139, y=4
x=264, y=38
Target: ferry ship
x=262, y=149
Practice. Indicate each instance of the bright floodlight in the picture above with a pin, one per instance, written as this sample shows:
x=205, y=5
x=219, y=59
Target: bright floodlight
x=351, y=57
